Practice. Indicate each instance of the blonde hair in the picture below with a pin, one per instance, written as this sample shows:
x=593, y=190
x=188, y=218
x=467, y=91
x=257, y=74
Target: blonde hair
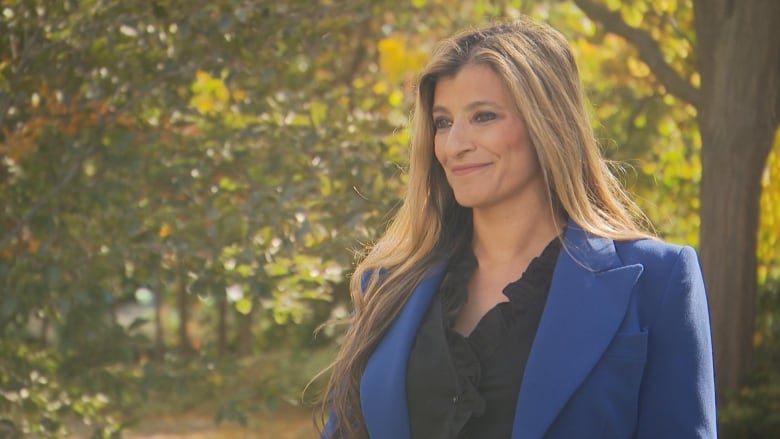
x=536, y=64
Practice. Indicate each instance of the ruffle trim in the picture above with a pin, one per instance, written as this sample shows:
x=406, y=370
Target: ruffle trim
x=528, y=292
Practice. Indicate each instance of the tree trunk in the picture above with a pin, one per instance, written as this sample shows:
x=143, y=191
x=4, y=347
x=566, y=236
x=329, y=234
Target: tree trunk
x=45, y=330
x=159, y=337
x=246, y=338
x=739, y=64
x=222, y=307
x=185, y=345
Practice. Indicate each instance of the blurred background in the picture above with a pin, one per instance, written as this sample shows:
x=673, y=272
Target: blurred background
x=185, y=187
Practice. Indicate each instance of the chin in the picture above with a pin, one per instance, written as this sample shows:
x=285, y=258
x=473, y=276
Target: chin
x=467, y=202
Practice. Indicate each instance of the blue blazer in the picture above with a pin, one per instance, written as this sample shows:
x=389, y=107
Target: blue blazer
x=623, y=349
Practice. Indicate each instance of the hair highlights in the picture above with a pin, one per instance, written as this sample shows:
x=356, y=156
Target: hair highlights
x=536, y=64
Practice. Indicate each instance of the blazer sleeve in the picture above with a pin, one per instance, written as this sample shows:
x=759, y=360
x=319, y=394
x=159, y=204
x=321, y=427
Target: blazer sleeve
x=677, y=396
x=330, y=425
x=327, y=431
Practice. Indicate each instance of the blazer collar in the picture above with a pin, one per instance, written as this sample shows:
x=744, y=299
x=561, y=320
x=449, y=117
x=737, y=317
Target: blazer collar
x=383, y=385
x=588, y=298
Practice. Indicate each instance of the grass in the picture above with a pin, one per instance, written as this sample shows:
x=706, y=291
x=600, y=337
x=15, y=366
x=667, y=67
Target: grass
x=254, y=397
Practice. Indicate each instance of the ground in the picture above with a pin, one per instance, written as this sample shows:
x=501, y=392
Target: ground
x=285, y=422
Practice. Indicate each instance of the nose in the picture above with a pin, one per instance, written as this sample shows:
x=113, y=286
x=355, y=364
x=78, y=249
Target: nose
x=458, y=139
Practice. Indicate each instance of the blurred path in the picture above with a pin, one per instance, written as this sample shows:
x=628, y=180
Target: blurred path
x=283, y=423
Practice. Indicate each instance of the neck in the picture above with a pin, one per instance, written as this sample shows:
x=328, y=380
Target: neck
x=514, y=233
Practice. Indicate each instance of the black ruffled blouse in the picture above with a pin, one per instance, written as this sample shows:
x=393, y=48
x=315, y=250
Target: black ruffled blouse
x=466, y=387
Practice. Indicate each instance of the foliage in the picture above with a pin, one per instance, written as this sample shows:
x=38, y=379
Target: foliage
x=769, y=230
x=225, y=157
x=34, y=400
x=234, y=389
x=211, y=149
x=755, y=411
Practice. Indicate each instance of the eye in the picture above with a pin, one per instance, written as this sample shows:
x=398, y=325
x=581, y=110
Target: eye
x=484, y=116
x=441, y=123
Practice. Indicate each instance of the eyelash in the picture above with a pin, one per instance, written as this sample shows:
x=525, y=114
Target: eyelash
x=484, y=114
x=480, y=117
x=439, y=122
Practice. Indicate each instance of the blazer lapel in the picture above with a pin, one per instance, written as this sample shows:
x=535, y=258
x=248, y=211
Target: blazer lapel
x=383, y=386
x=588, y=299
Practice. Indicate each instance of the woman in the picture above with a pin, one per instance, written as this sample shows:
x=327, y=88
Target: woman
x=516, y=293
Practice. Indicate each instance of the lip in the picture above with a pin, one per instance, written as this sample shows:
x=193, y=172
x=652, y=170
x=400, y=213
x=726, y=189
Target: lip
x=468, y=168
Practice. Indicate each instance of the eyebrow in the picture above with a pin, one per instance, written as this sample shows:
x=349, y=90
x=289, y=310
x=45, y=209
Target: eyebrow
x=469, y=106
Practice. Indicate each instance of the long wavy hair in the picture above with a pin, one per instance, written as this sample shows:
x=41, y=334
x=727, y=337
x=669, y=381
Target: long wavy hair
x=536, y=64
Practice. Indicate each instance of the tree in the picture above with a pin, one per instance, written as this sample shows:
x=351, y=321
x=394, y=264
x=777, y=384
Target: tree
x=739, y=45
x=738, y=110
x=222, y=157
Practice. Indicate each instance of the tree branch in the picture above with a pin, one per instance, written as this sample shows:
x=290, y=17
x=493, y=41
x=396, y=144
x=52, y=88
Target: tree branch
x=648, y=49
x=24, y=58
x=102, y=124
x=72, y=171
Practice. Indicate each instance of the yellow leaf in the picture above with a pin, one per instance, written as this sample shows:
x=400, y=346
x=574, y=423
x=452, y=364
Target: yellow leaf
x=202, y=77
x=380, y=88
x=769, y=231
x=359, y=83
x=244, y=306
x=396, y=98
x=668, y=6
x=165, y=230
x=762, y=276
x=696, y=79
x=221, y=91
x=631, y=15
x=216, y=378
x=758, y=338
x=390, y=45
x=417, y=60
x=637, y=68
x=210, y=94
x=392, y=58
x=613, y=5
x=238, y=94
x=318, y=112
x=204, y=103
x=323, y=75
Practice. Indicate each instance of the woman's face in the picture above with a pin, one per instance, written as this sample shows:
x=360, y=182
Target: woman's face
x=482, y=143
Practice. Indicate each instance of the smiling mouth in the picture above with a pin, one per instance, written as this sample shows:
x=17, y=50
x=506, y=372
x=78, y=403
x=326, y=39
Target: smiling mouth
x=468, y=169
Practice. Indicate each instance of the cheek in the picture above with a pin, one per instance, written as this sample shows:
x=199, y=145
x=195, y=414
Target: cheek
x=438, y=154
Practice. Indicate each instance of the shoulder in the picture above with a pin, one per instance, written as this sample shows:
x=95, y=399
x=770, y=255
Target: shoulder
x=656, y=255
x=671, y=273
x=670, y=306
x=671, y=282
